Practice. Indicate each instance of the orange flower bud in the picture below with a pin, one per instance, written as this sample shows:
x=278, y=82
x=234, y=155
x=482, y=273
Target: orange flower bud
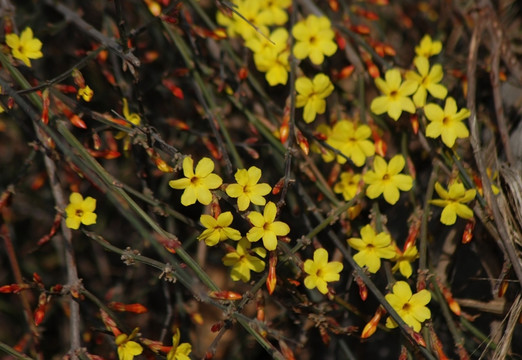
x=225, y=295
x=360, y=29
x=13, y=288
x=243, y=73
x=178, y=124
x=271, y=280
x=278, y=186
x=334, y=5
x=371, y=326
x=414, y=119
x=363, y=290
x=175, y=90
x=284, y=129
x=448, y=296
x=467, y=236
x=39, y=315
x=418, y=338
x=133, y=308
x=302, y=141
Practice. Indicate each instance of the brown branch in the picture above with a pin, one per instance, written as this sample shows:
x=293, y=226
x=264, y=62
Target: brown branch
x=477, y=151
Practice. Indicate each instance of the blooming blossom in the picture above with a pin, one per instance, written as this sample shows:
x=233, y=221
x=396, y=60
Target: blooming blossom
x=320, y=271
x=266, y=228
x=127, y=348
x=253, y=19
x=386, y=179
x=395, y=98
x=404, y=259
x=80, y=211
x=133, y=119
x=271, y=57
x=348, y=185
x=372, y=248
x=85, y=93
x=428, y=81
x=446, y=123
x=247, y=188
x=179, y=351
x=453, y=202
x=311, y=95
x=428, y=47
x=218, y=229
x=242, y=260
x=352, y=141
x=197, y=184
x=275, y=11
x=411, y=307
x=25, y=46
x=314, y=39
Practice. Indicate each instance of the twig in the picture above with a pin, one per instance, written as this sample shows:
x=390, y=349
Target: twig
x=477, y=152
x=110, y=43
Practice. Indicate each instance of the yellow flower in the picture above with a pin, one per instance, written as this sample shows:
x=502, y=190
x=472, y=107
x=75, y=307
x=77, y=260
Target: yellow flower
x=127, y=349
x=372, y=248
x=410, y=307
x=385, y=179
x=404, y=260
x=80, y=211
x=427, y=47
x=351, y=140
x=428, y=81
x=179, y=351
x=311, y=95
x=86, y=94
x=395, y=99
x=243, y=262
x=252, y=12
x=266, y=228
x=218, y=229
x=197, y=184
x=275, y=11
x=320, y=271
x=446, y=123
x=272, y=56
x=247, y=189
x=453, y=202
x=348, y=185
x=133, y=119
x=314, y=39
x=24, y=47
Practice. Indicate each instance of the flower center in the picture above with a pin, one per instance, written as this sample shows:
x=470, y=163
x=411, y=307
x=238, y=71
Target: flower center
x=313, y=40
x=445, y=121
x=394, y=94
x=195, y=181
x=386, y=177
x=79, y=212
x=406, y=307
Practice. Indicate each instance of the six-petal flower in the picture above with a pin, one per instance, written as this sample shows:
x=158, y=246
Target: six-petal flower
x=80, y=211
x=446, y=123
x=197, y=184
x=265, y=227
x=386, y=179
x=411, y=307
x=395, y=98
x=372, y=248
x=320, y=271
x=454, y=201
